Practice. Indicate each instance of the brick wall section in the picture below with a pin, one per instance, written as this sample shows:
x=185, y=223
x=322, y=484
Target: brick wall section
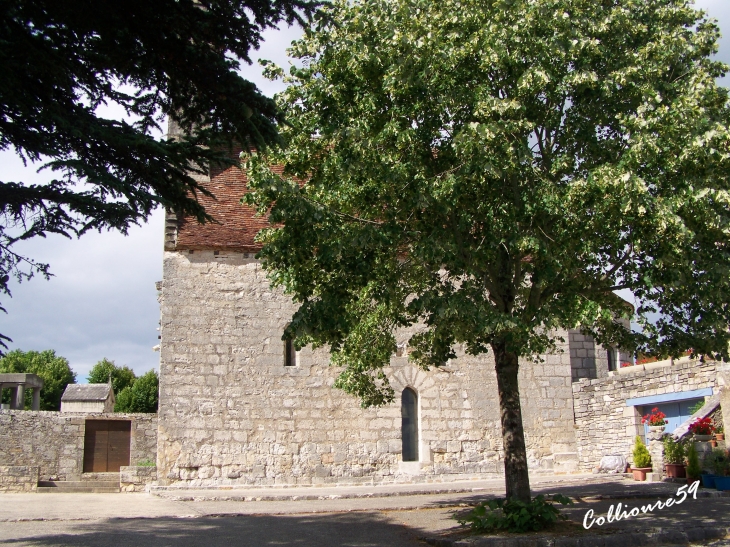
x=54, y=441
x=605, y=425
x=236, y=225
x=232, y=413
x=18, y=478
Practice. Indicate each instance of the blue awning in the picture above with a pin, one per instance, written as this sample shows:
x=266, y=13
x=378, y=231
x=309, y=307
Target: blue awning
x=670, y=397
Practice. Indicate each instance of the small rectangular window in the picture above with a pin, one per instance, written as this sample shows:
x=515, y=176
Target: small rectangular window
x=290, y=355
x=611, y=358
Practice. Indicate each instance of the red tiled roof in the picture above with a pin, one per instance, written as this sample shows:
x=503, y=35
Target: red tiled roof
x=236, y=226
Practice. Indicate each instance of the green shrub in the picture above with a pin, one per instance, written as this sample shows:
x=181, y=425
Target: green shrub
x=642, y=458
x=673, y=450
x=696, y=407
x=514, y=516
x=716, y=461
x=693, y=463
x=146, y=463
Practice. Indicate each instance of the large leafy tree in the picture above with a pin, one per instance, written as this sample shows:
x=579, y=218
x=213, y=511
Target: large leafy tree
x=53, y=369
x=493, y=171
x=121, y=377
x=62, y=59
x=141, y=396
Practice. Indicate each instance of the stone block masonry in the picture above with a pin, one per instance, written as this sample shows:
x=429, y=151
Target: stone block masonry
x=53, y=442
x=591, y=360
x=18, y=478
x=231, y=412
x=136, y=478
x=606, y=426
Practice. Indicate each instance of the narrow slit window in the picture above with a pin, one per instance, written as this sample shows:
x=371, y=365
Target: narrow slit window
x=290, y=354
x=409, y=425
x=611, y=358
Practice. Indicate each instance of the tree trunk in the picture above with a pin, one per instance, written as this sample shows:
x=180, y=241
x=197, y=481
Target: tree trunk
x=513, y=436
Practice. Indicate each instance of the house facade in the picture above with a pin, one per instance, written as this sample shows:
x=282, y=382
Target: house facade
x=90, y=398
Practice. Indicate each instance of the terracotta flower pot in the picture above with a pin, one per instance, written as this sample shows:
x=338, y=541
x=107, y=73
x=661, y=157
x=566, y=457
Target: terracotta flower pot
x=640, y=473
x=675, y=470
x=713, y=443
x=720, y=436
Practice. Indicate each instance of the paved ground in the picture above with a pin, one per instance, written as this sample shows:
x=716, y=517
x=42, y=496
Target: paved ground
x=347, y=517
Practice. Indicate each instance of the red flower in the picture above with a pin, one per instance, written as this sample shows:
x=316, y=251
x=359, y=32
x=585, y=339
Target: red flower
x=702, y=426
x=655, y=418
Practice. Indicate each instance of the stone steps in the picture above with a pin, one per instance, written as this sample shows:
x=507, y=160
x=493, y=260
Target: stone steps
x=97, y=483
x=77, y=490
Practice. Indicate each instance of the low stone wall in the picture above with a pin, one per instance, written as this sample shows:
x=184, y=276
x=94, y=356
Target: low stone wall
x=18, y=478
x=54, y=441
x=605, y=425
x=135, y=478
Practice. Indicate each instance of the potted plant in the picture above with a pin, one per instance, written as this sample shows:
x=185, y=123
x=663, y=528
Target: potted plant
x=693, y=464
x=702, y=429
x=720, y=432
x=642, y=460
x=656, y=420
x=722, y=468
x=674, y=457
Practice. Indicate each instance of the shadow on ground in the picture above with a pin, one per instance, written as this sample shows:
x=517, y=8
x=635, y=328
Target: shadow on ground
x=711, y=513
x=361, y=529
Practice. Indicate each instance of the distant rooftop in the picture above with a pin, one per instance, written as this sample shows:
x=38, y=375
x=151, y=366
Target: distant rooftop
x=86, y=392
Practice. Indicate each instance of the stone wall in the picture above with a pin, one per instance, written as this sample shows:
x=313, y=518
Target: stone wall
x=54, y=441
x=135, y=478
x=18, y=478
x=605, y=425
x=589, y=359
x=232, y=413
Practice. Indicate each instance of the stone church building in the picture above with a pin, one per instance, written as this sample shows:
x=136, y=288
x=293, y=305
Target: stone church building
x=237, y=406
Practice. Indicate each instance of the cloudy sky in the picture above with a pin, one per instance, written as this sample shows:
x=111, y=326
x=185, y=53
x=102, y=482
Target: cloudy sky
x=101, y=301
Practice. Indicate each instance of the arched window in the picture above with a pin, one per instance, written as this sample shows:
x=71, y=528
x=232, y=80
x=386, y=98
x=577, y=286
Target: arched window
x=409, y=424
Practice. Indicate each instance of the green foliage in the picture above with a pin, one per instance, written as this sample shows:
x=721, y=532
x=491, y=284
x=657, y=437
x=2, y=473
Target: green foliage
x=54, y=370
x=641, y=455
x=673, y=450
x=61, y=60
x=121, y=376
x=696, y=407
x=693, y=462
x=142, y=396
x=490, y=172
x=717, y=461
x=495, y=171
x=514, y=516
x=146, y=463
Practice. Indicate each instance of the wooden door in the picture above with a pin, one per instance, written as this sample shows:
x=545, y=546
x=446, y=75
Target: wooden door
x=106, y=445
